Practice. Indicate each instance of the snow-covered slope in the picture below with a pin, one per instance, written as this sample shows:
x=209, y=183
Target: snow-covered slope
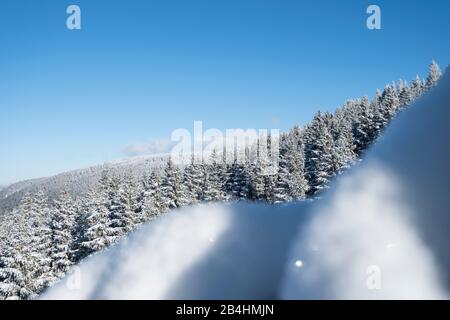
x=387, y=219
x=381, y=231
x=77, y=181
x=208, y=251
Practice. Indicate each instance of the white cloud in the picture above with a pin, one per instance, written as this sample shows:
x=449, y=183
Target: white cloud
x=156, y=146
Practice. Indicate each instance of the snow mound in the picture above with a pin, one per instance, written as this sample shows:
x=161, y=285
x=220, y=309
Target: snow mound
x=381, y=231
x=207, y=251
x=361, y=244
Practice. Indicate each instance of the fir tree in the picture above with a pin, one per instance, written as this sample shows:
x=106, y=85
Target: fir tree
x=15, y=268
x=389, y=104
x=281, y=187
x=173, y=196
x=434, y=74
x=116, y=209
x=319, y=154
x=260, y=170
x=213, y=181
x=61, y=223
x=41, y=243
x=417, y=88
x=129, y=196
x=295, y=156
x=239, y=181
x=364, y=130
x=96, y=235
x=404, y=94
x=153, y=198
x=122, y=204
x=193, y=181
x=18, y=263
x=79, y=228
x=342, y=152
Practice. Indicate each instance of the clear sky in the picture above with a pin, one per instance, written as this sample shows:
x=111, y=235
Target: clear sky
x=137, y=70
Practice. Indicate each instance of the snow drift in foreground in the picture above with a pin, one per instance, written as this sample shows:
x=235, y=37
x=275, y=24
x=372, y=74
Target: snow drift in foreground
x=382, y=231
x=208, y=251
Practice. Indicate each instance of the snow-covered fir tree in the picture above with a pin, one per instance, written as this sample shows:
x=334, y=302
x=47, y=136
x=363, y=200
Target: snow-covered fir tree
x=213, y=180
x=257, y=182
x=319, y=153
x=417, y=88
x=193, y=180
x=15, y=269
x=154, y=204
x=341, y=125
x=271, y=168
x=295, y=156
x=79, y=226
x=96, y=216
x=364, y=130
x=122, y=206
x=343, y=153
x=434, y=74
x=116, y=208
x=62, y=217
x=261, y=184
x=405, y=96
x=379, y=120
x=239, y=180
x=41, y=245
x=172, y=190
x=129, y=195
x=389, y=104
x=281, y=188
x=17, y=261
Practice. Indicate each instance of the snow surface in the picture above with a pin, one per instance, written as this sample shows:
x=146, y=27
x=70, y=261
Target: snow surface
x=207, y=251
x=388, y=216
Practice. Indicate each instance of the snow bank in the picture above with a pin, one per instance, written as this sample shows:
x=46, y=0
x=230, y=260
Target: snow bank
x=208, y=251
x=382, y=231
x=362, y=244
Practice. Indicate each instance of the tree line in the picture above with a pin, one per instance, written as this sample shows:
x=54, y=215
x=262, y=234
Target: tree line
x=40, y=242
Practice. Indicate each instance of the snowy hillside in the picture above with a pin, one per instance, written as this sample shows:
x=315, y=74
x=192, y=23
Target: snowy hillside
x=309, y=157
x=77, y=182
x=380, y=231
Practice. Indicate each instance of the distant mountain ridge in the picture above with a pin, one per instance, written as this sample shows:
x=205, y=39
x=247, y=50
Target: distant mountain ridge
x=78, y=181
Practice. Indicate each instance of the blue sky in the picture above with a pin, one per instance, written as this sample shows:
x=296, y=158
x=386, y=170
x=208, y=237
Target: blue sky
x=137, y=70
